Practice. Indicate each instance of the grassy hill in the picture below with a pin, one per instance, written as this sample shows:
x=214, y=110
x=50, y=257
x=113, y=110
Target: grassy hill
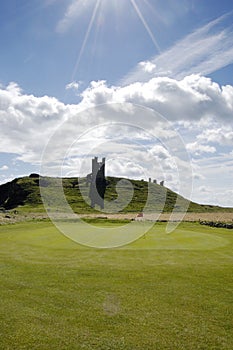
x=122, y=195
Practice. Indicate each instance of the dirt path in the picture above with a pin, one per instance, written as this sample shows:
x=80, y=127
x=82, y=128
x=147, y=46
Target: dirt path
x=10, y=217
x=217, y=216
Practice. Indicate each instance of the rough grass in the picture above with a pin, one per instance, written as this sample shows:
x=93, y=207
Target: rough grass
x=122, y=195
x=165, y=291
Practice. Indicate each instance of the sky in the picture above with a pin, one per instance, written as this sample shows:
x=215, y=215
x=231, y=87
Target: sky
x=148, y=84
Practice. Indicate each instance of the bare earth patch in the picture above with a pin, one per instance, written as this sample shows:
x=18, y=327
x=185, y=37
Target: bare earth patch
x=215, y=216
x=10, y=218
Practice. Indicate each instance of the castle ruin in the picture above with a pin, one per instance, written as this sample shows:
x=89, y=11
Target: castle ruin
x=97, y=182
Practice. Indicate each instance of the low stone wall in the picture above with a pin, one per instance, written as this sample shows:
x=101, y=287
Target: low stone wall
x=217, y=224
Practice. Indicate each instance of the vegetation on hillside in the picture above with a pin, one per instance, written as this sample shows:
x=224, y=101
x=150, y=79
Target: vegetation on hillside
x=122, y=195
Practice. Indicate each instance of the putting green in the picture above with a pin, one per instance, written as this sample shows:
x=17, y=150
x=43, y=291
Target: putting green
x=163, y=291
x=180, y=239
x=45, y=234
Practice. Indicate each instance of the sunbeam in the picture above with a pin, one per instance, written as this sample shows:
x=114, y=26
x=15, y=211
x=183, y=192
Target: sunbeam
x=86, y=38
x=140, y=15
x=102, y=6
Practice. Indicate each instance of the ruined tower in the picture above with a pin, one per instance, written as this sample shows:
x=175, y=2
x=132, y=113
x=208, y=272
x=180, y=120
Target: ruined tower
x=97, y=183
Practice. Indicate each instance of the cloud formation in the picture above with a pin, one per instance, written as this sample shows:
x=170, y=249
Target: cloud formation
x=28, y=122
x=192, y=98
x=197, y=148
x=4, y=168
x=204, y=51
x=74, y=10
x=72, y=86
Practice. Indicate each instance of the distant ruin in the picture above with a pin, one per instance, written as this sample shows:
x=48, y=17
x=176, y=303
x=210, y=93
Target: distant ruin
x=161, y=183
x=97, y=182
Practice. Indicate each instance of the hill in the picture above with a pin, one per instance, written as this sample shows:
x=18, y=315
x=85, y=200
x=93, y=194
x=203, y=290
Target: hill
x=122, y=195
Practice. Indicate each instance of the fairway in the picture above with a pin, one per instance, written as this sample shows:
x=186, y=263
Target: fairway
x=163, y=291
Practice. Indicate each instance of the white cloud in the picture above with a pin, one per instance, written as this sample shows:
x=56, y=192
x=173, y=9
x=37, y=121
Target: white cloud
x=148, y=66
x=213, y=184
x=204, y=189
x=4, y=168
x=75, y=9
x=28, y=122
x=222, y=135
x=204, y=51
x=198, y=176
x=191, y=98
x=215, y=196
x=198, y=148
x=73, y=85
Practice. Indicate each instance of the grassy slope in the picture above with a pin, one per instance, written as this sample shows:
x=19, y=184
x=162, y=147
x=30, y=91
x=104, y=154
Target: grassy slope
x=26, y=192
x=161, y=292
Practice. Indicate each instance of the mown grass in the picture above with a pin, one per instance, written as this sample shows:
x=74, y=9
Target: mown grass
x=164, y=291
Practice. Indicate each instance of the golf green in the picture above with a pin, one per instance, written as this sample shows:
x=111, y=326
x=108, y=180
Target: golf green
x=163, y=291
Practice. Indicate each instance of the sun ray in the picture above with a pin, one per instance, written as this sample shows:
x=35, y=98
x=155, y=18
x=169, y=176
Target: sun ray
x=86, y=38
x=155, y=13
x=146, y=26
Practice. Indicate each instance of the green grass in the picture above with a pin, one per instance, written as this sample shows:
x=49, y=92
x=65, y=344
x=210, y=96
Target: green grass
x=121, y=195
x=164, y=291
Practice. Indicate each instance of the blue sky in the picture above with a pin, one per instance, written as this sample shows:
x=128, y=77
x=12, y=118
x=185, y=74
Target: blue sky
x=61, y=57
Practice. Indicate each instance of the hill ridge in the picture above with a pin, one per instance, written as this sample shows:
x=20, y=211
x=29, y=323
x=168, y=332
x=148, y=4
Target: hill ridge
x=25, y=192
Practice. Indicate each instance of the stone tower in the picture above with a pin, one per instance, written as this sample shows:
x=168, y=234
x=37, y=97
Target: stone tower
x=97, y=183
